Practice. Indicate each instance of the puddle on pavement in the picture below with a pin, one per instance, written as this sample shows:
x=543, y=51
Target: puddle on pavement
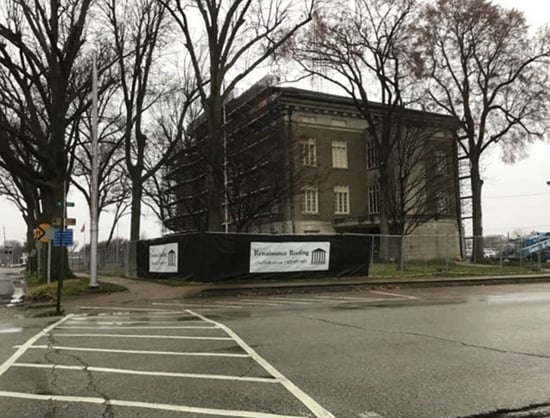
x=18, y=293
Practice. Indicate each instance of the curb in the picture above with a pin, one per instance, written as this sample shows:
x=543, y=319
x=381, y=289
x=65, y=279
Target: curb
x=349, y=285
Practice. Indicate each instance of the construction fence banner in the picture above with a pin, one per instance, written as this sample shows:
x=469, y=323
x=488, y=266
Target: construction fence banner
x=211, y=257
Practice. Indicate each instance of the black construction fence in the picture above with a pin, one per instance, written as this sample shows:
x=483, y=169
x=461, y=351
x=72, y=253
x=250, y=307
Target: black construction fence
x=212, y=257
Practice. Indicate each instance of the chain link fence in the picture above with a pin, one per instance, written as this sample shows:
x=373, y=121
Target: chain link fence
x=118, y=259
x=389, y=255
x=445, y=253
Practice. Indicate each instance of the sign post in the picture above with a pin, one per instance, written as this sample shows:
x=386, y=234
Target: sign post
x=49, y=264
x=43, y=234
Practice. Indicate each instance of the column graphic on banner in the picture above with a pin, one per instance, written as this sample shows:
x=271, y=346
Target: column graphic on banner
x=280, y=257
x=163, y=258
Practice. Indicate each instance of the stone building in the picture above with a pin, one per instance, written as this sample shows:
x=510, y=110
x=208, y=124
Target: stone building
x=301, y=162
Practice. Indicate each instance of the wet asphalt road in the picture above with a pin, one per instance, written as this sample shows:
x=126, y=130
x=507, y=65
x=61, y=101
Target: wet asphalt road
x=441, y=352
x=451, y=352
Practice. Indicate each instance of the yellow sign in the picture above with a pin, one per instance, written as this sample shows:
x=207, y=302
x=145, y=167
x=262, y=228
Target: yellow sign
x=40, y=232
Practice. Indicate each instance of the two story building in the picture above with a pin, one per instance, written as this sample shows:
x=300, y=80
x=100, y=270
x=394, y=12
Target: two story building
x=301, y=162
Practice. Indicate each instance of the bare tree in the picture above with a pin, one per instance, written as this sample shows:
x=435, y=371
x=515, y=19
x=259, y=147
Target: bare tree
x=364, y=49
x=171, y=117
x=113, y=182
x=226, y=41
x=25, y=197
x=41, y=81
x=483, y=68
x=140, y=30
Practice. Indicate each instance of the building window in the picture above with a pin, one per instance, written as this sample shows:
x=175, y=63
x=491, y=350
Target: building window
x=310, y=200
x=309, y=152
x=339, y=154
x=374, y=198
x=372, y=155
x=440, y=162
x=442, y=203
x=341, y=200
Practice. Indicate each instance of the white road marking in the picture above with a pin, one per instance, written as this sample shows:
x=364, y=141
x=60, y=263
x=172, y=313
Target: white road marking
x=309, y=402
x=294, y=302
x=149, y=373
x=160, y=337
x=119, y=323
x=139, y=327
x=370, y=414
x=10, y=330
x=196, y=305
x=21, y=349
x=261, y=301
x=115, y=308
x=312, y=300
x=344, y=298
x=393, y=294
x=160, y=353
x=250, y=303
x=146, y=405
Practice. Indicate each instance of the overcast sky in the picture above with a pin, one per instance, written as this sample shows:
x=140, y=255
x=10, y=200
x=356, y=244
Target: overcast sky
x=515, y=197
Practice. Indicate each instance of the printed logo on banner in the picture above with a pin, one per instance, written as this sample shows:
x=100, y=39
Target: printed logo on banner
x=318, y=256
x=280, y=257
x=163, y=258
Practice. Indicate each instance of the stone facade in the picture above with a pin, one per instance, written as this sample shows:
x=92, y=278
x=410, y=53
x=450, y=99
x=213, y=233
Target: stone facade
x=333, y=185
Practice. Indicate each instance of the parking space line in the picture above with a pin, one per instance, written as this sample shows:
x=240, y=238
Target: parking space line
x=160, y=337
x=140, y=327
x=144, y=405
x=393, y=294
x=309, y=402
x=148, y=373
x=29, y=343
x=118, y=351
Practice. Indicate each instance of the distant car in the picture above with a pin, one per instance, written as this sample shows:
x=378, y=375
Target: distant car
x=490, y=253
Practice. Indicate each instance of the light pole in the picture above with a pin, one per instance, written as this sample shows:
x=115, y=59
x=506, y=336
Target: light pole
x=94, y=182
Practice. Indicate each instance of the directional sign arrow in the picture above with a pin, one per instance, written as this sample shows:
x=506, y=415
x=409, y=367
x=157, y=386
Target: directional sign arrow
x=40, y=233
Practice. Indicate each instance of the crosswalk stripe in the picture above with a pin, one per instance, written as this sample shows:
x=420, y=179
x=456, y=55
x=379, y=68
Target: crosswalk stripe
x=118, y=351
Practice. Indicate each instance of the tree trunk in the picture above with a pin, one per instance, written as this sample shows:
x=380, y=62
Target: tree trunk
x=54, y=209
x=135, y=223
x=477, y=183
x=216, y=150
x=384, y=249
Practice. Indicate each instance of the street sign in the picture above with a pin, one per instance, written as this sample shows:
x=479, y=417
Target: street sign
x=67, y=204
x=50, y=234
x=63, y=238
x=40, y=232
x=68, y=221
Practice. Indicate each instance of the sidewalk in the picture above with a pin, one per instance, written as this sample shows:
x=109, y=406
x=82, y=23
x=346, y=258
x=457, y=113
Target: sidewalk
x=142, y=293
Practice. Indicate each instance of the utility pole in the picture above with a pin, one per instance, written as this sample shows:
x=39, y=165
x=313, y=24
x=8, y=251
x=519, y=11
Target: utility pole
x=94, y=181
